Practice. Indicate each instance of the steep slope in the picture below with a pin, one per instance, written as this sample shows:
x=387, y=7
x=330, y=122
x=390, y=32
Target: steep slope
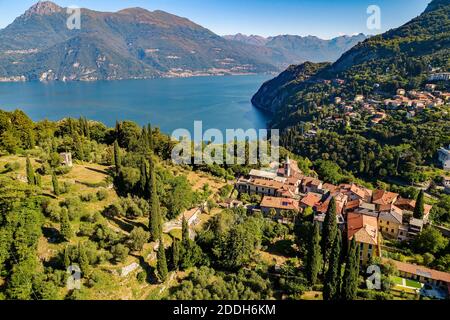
x=401, y=57
x=131, y=43
x=272, y=94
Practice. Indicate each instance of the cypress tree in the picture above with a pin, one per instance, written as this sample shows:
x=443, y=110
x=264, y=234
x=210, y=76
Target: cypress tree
x=155, y=223
x=30, y=173
x=185, y=232
x=332, y=277
x=175, y=254
x=162, y=263
x=419, y=209
x=117, y=160
x=83, y=259
x=65, y=227
x=38, y=179
x=30, y=139
x=329, y=231
x=79, y=152
x=55, y=184
x=351, y=273
x=143, y=177
x=150, y=137
x=143, y=140
x=66, y=257
x=88, y=130
x=314, y=258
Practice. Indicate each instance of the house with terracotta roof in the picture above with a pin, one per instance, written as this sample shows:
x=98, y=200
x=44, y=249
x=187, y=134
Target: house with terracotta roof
x=278, y=204
x=310, y=200
x=356, y=192
x=259, y=186
x=311, y=184
x=365, y=231
x=328, y=187
x=423, y=274
x=409, y=205
x=383, y=197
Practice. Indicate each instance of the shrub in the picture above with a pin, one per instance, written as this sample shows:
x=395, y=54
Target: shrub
x=102, y=194
x=52, y=210
x=119, y=252
x=141, y=276
x=12, y=166
x=62, y=170
x=87, y=197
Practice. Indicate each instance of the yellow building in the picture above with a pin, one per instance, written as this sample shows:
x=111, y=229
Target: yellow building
x=365, y=231
x=390, y=222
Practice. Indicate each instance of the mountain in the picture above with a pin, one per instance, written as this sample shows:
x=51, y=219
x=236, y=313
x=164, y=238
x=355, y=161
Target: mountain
x=131, y=43
x=291, y=49
x=272, y=94
x=401, y=57
x=252, y=39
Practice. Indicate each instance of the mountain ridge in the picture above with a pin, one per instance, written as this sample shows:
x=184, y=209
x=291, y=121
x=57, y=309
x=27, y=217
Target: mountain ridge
x=149, y=43
x=400, y=57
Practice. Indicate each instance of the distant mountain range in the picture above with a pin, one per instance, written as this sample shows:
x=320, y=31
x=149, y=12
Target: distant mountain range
x=137, y=43
x=296, y=49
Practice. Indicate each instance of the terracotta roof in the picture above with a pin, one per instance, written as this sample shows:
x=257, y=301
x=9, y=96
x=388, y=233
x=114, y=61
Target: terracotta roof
x=383, y=197
x=311, y=199
x=390, y=207
x=287, y=191
x=292, y=181
x=364, y=228
x=405, y=203
x=409, y=204
x=267, y=183
x=279, y=203
x=421, y=270
x=330, y=187
x=311, y=181
x=350, y=205
x=361, y=192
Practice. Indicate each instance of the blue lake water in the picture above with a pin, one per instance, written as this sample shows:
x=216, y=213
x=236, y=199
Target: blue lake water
x=220, y=102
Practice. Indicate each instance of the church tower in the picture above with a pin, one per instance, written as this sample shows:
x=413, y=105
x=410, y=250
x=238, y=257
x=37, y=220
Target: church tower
x=287, y=167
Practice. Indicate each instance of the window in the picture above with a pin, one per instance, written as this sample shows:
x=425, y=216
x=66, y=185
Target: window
x=392, y=230
x=370, y=247
x=387, y=222
x=401, y=233
x=387, y=229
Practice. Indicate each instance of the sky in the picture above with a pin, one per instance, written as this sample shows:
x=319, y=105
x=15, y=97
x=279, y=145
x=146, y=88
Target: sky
x=322, y=18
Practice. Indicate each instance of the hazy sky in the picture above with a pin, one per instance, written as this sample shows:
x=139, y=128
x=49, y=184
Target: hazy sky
x=323, y=18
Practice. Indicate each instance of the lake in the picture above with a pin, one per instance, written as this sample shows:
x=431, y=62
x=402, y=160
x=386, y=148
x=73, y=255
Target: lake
x=220, y=102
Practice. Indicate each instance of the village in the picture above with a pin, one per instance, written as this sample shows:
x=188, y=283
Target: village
x=412, y=102
x=369, y=216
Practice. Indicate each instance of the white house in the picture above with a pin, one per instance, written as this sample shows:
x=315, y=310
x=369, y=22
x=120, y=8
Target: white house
x=444, y=157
